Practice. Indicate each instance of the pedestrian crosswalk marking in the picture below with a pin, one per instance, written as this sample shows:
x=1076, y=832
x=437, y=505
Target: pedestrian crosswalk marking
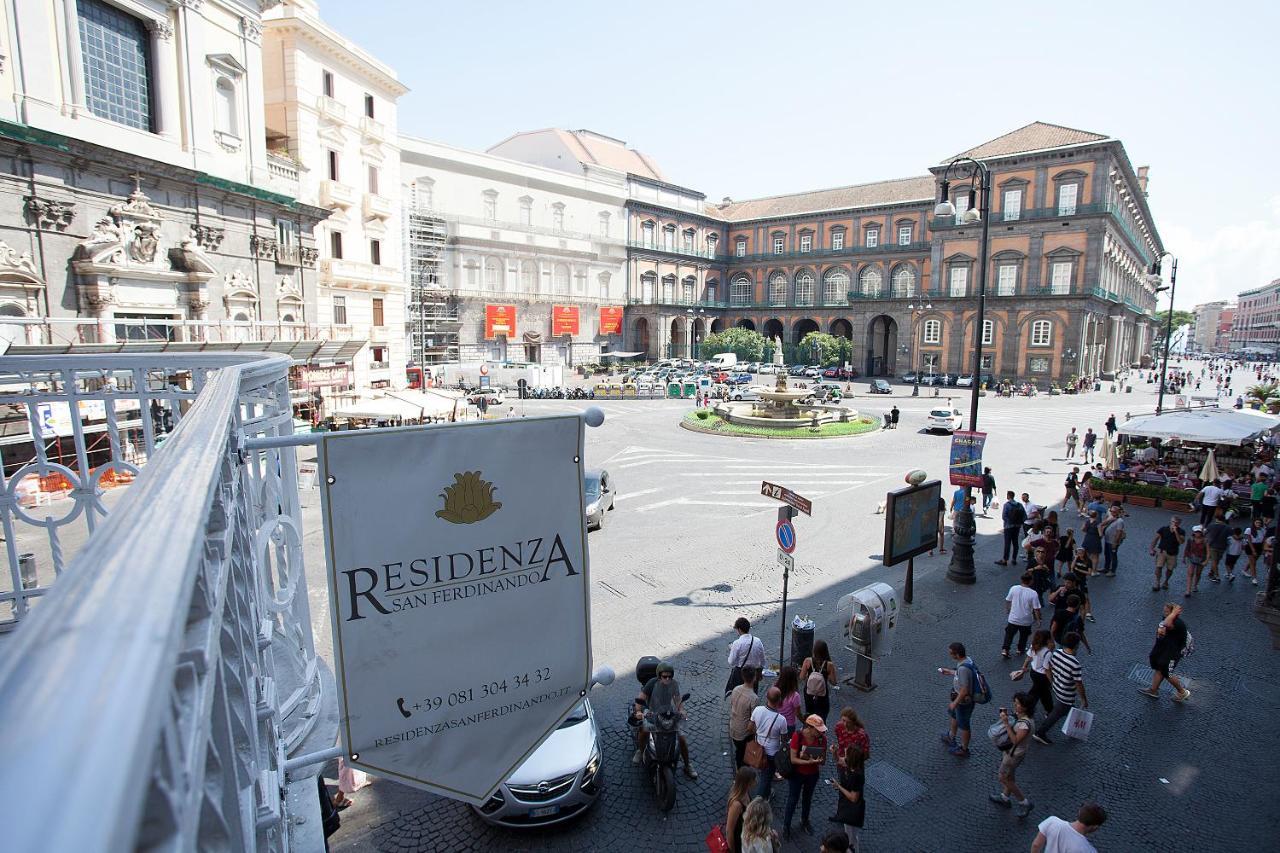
x=629, y=495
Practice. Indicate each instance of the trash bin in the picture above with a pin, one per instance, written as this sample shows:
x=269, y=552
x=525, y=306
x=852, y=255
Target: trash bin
x=1097, y=386
x=27, y=570
x=801, y=639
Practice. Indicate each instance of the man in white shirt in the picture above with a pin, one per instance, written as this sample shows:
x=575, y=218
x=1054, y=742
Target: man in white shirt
x=1210, y=496
x=768, y=727
x=1022, y=607
x=746, y=650
x=1058, y=836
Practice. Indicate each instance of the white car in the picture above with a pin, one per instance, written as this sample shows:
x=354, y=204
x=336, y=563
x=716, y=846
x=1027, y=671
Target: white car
x=965, y=381
x=944, y=420
x=744, y=392
x=767, y=368
x=560, y=780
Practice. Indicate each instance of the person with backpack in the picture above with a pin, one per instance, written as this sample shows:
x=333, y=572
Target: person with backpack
x=1066, y=675
x=1013, y=740
x=968, y=688
x=818, y=675
x=1173, y=643
x=1012, y=516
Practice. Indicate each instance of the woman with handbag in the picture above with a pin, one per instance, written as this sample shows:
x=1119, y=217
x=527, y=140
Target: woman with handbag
x=818, y=675
x=739, y=799
x=851, y=807
x=1037, y=663
x=1012, y=738
x=808, y=753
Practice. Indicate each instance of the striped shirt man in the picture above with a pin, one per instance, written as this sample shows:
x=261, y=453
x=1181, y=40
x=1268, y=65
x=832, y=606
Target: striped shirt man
x=1067, y=673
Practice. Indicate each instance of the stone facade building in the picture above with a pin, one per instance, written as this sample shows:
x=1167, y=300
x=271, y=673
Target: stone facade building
x=137, y=196
x=1071, y=241
x=532, y=269
x=1256, y=325
x=1212, y=319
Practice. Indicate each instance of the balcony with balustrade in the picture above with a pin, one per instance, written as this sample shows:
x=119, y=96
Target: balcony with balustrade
x=335, y=194
x=358, y=274
x=376, y=206
x=157, y=667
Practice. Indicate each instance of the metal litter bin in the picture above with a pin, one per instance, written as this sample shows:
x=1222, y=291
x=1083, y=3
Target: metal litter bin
x=801, y=639
x=27, y=570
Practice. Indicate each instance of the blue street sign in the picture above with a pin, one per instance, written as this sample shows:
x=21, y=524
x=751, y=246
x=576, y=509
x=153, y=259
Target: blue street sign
x=786, y=533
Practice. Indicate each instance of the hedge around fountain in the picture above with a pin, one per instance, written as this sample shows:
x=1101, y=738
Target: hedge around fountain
x=717, y=425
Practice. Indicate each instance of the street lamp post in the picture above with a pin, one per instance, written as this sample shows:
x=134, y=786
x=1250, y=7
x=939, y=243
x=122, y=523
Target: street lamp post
x=1154, y=277
x=916, y=311
x=961, y=569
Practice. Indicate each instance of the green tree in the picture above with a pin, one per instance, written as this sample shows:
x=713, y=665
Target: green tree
x=746, y=344
x=1180, y=318
x=833, y=350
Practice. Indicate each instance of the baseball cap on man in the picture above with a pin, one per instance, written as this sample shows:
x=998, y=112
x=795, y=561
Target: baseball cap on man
x=814, y=721
x=1197, y=529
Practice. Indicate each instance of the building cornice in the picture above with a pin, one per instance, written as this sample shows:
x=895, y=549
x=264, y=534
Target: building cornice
x=349, y=54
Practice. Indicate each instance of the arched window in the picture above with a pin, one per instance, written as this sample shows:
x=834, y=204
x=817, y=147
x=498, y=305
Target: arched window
x=777, y=289
x=933, y=331
x=804, y=288
x=740, y=291
x=224, y=107
x=1041, y=333
x=835, y=285
x=14, y=333
x=560, y=280
x=869, y=281
x=904, y=281
x=493, y=275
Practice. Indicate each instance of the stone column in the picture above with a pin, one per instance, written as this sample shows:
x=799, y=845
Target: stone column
x=165, y=67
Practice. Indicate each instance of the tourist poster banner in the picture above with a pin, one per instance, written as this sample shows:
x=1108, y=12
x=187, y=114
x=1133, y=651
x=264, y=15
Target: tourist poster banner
x=499, y=320
x=611, y=320
x=564, y=320
x=966, y=458
x=457, y=566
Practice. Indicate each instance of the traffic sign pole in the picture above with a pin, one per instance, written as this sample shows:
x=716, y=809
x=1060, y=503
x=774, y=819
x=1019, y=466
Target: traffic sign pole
x=785, y=514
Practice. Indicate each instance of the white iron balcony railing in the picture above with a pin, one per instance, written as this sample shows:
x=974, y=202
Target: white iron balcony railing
x=156, y=680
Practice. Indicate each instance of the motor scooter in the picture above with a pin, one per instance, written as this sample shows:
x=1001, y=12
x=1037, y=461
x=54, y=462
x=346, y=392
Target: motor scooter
x=662, y=744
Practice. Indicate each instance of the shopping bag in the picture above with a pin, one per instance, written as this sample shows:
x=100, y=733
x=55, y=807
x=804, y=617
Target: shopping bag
x=1078, y=724
x=716, y=842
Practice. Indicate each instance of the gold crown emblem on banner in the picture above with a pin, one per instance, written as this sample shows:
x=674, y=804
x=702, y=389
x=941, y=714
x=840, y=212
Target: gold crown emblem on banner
x=468, y=500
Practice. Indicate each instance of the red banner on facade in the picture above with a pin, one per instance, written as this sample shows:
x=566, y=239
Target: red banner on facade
x=564, y=320
x=499, y=320
x=611, y=320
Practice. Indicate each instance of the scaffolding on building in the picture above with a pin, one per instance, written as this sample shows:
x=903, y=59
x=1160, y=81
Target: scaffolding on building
x=433, y=312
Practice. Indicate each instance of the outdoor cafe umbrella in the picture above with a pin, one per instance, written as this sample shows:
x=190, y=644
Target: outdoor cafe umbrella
x=1109, y=460
x=1209, y=472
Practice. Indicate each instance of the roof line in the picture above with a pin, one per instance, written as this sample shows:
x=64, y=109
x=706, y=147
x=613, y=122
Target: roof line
x=827, y=190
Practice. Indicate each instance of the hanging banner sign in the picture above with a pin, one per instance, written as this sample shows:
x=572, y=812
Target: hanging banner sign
x=499, y=320
x=564, y=320
x=966, y=458
x=611, y=321
x=457, y=560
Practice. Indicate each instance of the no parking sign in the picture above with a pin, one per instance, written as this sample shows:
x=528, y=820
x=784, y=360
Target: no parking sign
x=786, y=533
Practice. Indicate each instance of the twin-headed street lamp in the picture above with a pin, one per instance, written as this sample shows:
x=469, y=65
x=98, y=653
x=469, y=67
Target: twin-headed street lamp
x=978, y=176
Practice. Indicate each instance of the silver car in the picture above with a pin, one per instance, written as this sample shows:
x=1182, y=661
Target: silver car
x=560, y=780
x=598, y=496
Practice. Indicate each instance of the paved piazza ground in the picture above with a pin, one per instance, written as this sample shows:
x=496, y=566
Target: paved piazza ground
x=690, y=548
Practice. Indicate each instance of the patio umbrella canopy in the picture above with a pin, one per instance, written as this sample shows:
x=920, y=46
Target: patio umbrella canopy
x=1203, y=426
x=1209, y=472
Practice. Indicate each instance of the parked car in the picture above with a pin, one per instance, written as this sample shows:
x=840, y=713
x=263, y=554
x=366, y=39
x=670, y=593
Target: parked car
x=796, y=370
x=880, y=386
x=767, y=368
x=598, y=494
x=744, y=392
x=719, y=376
x=562, y=779
x=841, y=373
x=812, y=372
x=909, y=378
x=944, y=420
x=492, y=396
x=965, y=381
x=740, y=379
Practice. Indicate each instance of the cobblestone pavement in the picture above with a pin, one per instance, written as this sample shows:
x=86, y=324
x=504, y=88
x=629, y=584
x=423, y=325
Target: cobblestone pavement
x=690, y=549
x=1194, y=776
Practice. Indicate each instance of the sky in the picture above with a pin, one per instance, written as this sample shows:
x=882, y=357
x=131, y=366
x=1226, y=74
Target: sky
x=748, y=98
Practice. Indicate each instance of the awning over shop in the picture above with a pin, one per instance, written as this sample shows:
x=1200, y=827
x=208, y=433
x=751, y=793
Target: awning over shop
x=1203, y=426
x=431, y=402
x=379, y=409
x=620, y=354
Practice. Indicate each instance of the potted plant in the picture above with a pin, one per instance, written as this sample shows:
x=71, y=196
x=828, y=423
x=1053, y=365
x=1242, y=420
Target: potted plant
x=1259, y=395
x=1177, y=500
x=1112, y=490
x=1144, y=494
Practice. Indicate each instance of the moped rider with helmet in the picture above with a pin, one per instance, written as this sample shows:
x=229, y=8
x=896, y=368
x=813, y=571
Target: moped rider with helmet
x=661, y=694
